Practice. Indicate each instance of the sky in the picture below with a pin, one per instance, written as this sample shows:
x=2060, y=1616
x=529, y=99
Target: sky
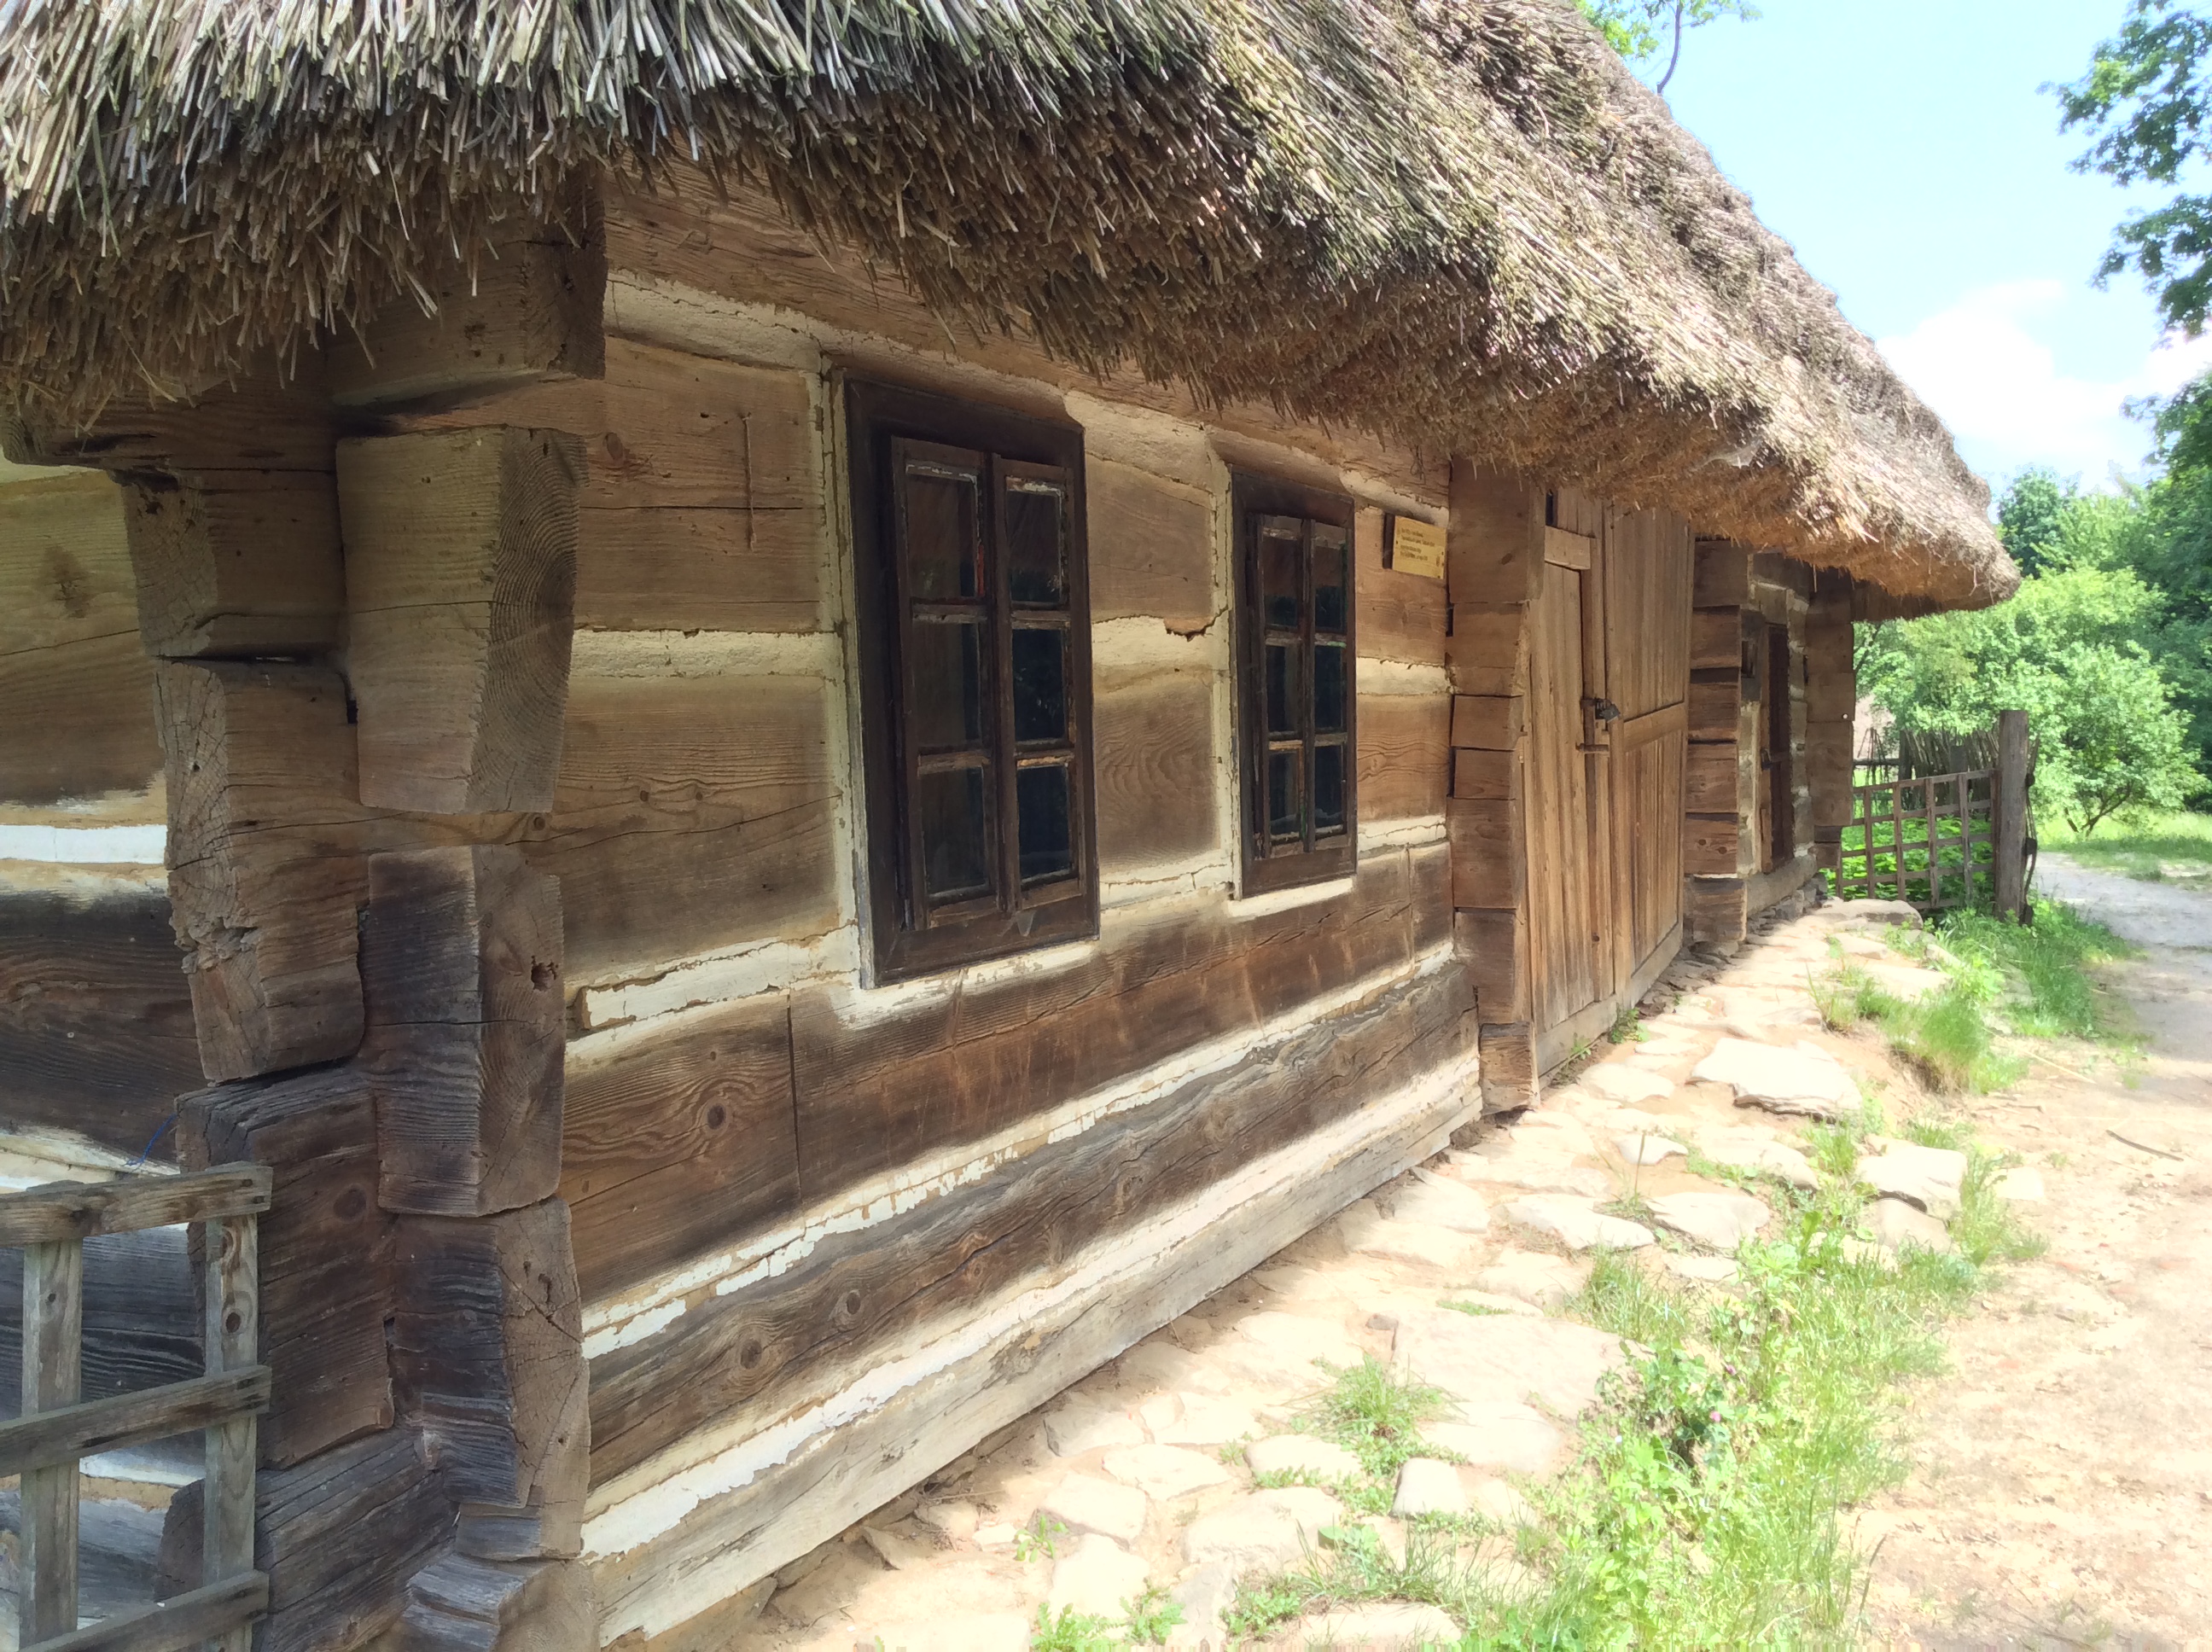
x=1904, y=149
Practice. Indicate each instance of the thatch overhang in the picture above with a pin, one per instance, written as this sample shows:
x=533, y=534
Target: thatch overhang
x=1458, y=223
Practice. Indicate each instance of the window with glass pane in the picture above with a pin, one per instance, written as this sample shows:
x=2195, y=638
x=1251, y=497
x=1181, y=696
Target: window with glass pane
x=1295, y=655
x=975, y=672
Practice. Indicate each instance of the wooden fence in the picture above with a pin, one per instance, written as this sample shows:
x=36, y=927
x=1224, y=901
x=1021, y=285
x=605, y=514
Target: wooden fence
x=57, y=1430
x=1941, y=840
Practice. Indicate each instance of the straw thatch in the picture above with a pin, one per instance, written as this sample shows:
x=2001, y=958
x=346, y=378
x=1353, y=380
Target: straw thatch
x=1460, y=222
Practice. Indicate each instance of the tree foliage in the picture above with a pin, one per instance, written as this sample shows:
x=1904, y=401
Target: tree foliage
x=1639, y=29
x=2146, y=99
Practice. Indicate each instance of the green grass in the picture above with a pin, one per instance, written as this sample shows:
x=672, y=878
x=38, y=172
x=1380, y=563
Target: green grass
x=1622, y=1298
x=1946, y=1032
x=1376, y=1416
x=1146, y=1621
x=2045, y=968
x=2172, y=846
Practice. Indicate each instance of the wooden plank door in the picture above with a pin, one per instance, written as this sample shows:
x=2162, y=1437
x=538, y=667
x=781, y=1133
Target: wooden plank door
x=1647, y=559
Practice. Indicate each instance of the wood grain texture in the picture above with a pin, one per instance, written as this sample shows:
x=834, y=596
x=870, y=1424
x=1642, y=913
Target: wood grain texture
x=55, y=1212
x=1487, y=652
x=265, y=875
x=1711, y=845
x=1485, y=774
x=460, y=556
x=776, y=1346
x=1405, y=754
x=1402, y=617
x=1494, y=545
x=1722, y=575
x=1713, y=909
x=1509, y=1066
x=53, y=1308
x=1562, y=871
x=1716, y=703
x=236, y=563
x=203, y=1616
x=1488, y=722
x=75, y=691
x=462, y=1603
x=461, y=975
x=1493, y=948
x=683, y=1140
x=326, y=1250
x=1154, y=769
x=1711, y=779
x=95, y=1018
x=1715, y=638
x=259, y=419
x=1489, y=851
x=46, y=1439
x=487, y=1352
x=140, y=1325
x=681, y=568
x=691, y=813
x=1151, y=548
x=874, y=1095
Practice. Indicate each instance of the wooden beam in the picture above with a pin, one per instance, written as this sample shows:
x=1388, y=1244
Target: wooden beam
x=1493, y=946
x=235, y=563
x=488, y=1350
x=1488, y=722
x=461, y=554
x=1494, y=546
x=266, y=873
x=461, y=1604
x=1714, y=909
x=1489, y=851
x=1722, y=577
x=1509, y=1066
x=48, y=1439
x=461, y=968
x=1478, y=774
x=68, y=1210
x=1487, y=651
x=198, y=1617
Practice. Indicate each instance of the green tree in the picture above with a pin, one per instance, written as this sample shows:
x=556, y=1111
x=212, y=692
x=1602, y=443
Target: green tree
x=2032, y=515
x=1637, y=28
x=2063, y=651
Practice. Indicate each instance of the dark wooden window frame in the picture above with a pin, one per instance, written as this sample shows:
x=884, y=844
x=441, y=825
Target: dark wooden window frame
x=1264, y=863
x=888, y=425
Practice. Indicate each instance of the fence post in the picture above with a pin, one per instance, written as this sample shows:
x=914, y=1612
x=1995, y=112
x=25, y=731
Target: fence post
x=2012, y=816
x=54, y=1317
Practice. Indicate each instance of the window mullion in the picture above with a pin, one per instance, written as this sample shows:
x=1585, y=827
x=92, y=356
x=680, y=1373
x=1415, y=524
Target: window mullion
x=1007, y=812
x=1306, y=667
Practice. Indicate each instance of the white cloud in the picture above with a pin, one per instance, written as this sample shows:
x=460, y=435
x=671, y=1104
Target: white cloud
x=1982, y=366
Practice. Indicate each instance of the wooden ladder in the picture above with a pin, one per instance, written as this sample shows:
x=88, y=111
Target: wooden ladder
x=57, y=1430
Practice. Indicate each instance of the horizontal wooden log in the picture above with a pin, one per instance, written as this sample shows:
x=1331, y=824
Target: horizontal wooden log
x=1402, y=616
x=680, y=1140
x=1717, y=639
x=324, y=1249
x=1494, y=541
x=1487, y=652
x=1493, y=948
x=461, y=969
x=1712, y=777
x=692, y=814
x=76, y=699
x=1154, y=769
x=874, y=1094
x=460, y=1604
x=1490, y=775
x=1780, y=569
x=1509, y=1066
x=266, y=873
x=236, y=563
x=96, y=1018
x=1563, y=548
x=1722, y=575
x=707, y=568
x=776, y=1348
x=460, y=558
x=48, y=1439
x=486, y=1350
x=141, y=1326
x=1713, y=910
x=1711, y=844
x=1405, y=760
x=1489, y=851
x=339, y=1536
x=1487, y=722
x=1151, y=548
x=1715, y=708
x=262, y=419
x=80, y=1210
x=184, y=1621
x=531, y=309
x=1177, y=1257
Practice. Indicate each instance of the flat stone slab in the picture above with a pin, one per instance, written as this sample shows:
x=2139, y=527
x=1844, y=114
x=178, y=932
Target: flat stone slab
x=1197, y=1419
x=1205, y=1596
x=1074, y=1428
x=1930, y=1178
x=1575, y=1224
x=1835, y=914
x=1718, y=1221
x=1805, y=1080
x=1553, y=1129
x=1751, y=1149
x=1097, y=1577
x=2022, y=1184
x=1499, y=1501
x=1365, y=1232
x=1301, y=1338
x=1496, y=1359
x=1428, y=1485
x=1160, y=1364
x=1617, y=1081
x=1645, y=1148
x=1535, y=1277
x=1164, y=1471
x=1515, y=1439
x=1703, y=1270
x=1896, y=1224
x=1083, y=1502
x=1301, y=1454
x=1266, y=1532
x=1438, y=1202
x=1384, y=1626
x=1490, y=1301
x=1533, y=1171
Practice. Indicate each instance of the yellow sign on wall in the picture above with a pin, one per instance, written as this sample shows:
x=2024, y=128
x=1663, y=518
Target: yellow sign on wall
x=1412, y=546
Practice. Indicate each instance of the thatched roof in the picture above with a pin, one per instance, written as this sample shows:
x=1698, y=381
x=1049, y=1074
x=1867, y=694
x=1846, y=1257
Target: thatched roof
x=1456, y=222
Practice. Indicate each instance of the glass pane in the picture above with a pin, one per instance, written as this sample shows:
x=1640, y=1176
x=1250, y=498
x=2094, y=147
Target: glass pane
x=1328, y=687
x=1040, y=682
x=1332, y=599
x=1036, y=542
x=944, y=542
x=1047, y=845
x=955, y=850
x=1283, y=688
x=1284, y=820
x=1282, y=580
x=946, y=698
x=1328, y=789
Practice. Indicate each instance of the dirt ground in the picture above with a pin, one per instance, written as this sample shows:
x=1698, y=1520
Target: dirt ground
x=2061, y=1493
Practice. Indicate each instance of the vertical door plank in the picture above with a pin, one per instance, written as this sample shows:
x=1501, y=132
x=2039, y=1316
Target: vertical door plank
x=53, y=1321
x=233, y=1339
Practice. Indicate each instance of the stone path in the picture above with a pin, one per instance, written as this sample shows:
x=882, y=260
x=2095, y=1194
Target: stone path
x=2062, y=1494
x=1142, y=1473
